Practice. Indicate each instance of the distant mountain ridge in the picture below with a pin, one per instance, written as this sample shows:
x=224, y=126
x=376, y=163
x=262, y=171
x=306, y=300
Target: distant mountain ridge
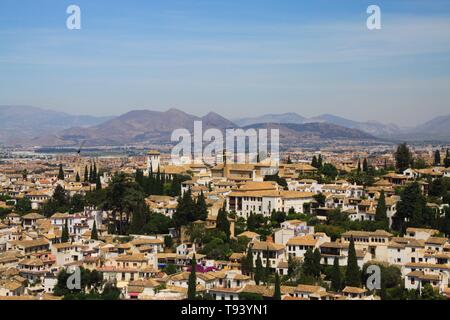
x=290, y=117
x=371, y=127
x=19, y=124
x=33, y=126
x=143, y=126
x=298, y=134
x=156, y=127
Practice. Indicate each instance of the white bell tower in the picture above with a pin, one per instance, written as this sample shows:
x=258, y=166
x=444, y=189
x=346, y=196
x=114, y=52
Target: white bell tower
x=153, y=158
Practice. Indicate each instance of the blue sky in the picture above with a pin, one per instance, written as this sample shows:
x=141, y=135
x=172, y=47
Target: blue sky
x=236, y=57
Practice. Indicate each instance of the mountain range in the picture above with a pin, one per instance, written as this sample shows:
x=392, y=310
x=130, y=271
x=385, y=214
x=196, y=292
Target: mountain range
x=372, y=127
x=19, y=124
x=137, y=126
x=31, y=126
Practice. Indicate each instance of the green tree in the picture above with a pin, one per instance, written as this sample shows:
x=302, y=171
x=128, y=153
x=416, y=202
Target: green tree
x=157, y=223
x=170, y=269
x=267, y=269
x=98, y=183
x=314, y=162
x=310, y=266
x=23, y=205
x=403, y=157
x=184, y=213
x=336, y=276
x=222, y=222
x=259, y=270
x=317, y=257
x=328, y=170
x=61, y=172
x=168, y=241
x=277, y=291
x=247, y=262
x=77, y=177
x=76, y=203
x=192, y=282
x=201, y=210
x=319, y=162
x=320, y=199
x=91, y=173
x=65, y=233
x=250, y=296
x=447, y=159
x=86, y=174
x=138, y=219
x=437, y=158
x=352, y=273
x=429, y=293
x=381, y=211
x=94, y=172
x=365, y=166
x=293, y=267
x=94, y=233
x=411, y=209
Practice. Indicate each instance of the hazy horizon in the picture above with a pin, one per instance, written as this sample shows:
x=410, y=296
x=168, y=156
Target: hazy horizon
x=239, y=59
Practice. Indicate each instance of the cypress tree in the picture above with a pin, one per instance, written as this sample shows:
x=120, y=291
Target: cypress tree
x=65, y=233
x=336, y=277
x=358, y=169
x=94, y=233
x=94, y=173
x=317, y=257
x=291, y=266
x=352, y=274
x=308, y=267
x=259, y=270
x=77, y=178
x=192, y=282
x=201, y=207
x=222, y=222
x=98, y=183
x=267, y=271
x=90, y=173
x=319, y=162
x=437, y=158
x=86, y=174
x=277, y=291
x=138, y=219
x=365, y=166
x=314, y=162
x=447, y=159
x=403, y=157
x=381, y=212
x=247, y=262
x=61, y=172
x=158, y=182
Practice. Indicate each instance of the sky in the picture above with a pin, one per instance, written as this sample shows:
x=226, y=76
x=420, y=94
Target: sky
x=236, y=57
